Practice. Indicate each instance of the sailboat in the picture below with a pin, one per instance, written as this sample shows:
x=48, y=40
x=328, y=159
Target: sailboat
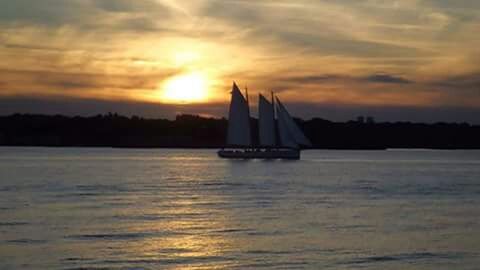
x=279, y=137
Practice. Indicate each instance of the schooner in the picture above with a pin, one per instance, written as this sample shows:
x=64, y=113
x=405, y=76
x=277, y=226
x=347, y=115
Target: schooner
x=279, y=137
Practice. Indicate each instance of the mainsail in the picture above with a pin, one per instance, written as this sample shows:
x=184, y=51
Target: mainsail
x=266, y=122
x=290, y=134
x=238, y=120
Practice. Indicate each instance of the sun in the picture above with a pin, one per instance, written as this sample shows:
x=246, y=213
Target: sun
x=186, y=88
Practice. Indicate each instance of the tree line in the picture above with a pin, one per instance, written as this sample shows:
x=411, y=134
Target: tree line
x=191, y=131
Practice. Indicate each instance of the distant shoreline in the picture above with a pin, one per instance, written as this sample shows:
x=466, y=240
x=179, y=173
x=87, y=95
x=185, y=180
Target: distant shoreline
x=196, y=132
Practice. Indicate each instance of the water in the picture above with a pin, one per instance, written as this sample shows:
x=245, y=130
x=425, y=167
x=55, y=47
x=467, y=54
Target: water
x=187, y=209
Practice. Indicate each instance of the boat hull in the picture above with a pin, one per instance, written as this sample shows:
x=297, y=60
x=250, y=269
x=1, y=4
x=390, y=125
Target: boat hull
x=260, y=154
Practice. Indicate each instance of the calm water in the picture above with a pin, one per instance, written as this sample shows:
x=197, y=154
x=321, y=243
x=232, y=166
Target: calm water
x=187, y=209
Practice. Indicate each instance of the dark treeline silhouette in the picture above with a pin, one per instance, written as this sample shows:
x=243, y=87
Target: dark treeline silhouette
x=191, y=131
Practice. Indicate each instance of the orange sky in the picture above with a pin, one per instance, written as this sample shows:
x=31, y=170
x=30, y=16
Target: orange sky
x=409, y=53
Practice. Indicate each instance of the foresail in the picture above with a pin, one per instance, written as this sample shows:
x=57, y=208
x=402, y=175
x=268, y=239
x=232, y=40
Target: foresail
x=294, y=131
x=286, y=138
x=266, y=122
x=238, y=120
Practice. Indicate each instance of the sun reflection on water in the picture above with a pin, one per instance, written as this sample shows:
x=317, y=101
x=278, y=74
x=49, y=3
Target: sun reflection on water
x=186, y=232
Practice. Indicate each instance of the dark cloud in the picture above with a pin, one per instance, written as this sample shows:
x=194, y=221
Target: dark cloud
x=238, y=12
x=455, y=4
x=314, y=79
x=79, y=81
x=468, y=81
x=264, y=22
x=328, y=45
x=374, y=78
x=87, y=15
x=31, y=47
x=140, y=24
x=46, y=12
x=386, y=78
x=128, y=6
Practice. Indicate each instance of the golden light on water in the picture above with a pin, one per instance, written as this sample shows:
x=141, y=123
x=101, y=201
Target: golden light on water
x=186, y=88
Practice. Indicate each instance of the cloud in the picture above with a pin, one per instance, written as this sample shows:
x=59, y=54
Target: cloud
x=400, y=53
x=386, y=78
x=85, y=15
x=463, y=90
x=126, y=6
x=45, y=12
x=313, y=79
x=321, y=27
x=32, y=47
x=374, y=78
x=21, y=82
x=467, y=81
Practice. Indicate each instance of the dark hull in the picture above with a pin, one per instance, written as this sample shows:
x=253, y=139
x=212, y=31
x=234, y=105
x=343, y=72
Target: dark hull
x=260, y=154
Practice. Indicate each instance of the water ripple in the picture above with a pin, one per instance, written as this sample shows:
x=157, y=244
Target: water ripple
x=26, y=241
x=408, y=257
x=116, y=236
x=10, y=224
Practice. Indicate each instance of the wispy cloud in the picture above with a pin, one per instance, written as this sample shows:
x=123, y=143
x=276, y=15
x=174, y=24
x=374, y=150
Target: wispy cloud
x=373, y=78
x=386, y=78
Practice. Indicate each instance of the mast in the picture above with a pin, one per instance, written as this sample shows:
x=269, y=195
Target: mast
x=273, y=106
x=249, y=121
x=246, y=95
x=274, y=121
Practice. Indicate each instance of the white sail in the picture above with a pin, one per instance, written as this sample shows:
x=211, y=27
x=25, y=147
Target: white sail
x=266, y=122
x=286, y=139
x=238, y=120
x=290, y=127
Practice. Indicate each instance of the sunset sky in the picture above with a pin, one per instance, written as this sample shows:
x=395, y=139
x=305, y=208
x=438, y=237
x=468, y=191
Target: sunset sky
x=416, y=60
